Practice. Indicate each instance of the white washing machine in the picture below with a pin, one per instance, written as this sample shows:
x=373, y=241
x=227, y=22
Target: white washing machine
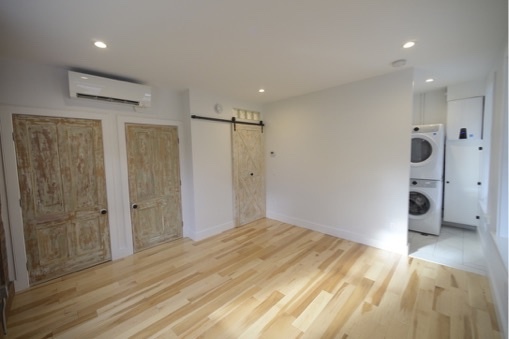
x=425, y=206
x=427, y=159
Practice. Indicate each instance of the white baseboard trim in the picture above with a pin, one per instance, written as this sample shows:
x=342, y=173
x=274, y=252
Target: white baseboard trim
x=340, y=233
x=211, y=231
x=497, y=274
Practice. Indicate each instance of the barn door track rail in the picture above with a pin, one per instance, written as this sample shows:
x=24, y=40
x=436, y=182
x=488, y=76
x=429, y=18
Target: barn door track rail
x=233, y=121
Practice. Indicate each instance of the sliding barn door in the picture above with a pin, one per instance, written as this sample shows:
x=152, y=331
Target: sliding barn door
x=248, y=173
x=154, y=184
x=63, y=194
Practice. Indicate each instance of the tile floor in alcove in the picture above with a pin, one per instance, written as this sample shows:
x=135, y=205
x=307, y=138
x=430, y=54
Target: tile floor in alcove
x=454, y=247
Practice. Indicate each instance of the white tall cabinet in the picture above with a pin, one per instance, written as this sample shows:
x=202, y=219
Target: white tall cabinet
x=462, y=161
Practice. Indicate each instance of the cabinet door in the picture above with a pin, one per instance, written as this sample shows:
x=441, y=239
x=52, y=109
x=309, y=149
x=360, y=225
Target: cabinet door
x=248, y=174
x=154, y=184
x=461, y=189
x=63, y=194
x=464, y=117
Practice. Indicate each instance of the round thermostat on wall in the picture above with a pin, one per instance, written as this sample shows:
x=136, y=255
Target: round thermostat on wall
x=218, y=108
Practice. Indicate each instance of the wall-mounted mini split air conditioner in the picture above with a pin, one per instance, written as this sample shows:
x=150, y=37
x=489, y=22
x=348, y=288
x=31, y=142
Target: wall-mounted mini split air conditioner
x=98, y=88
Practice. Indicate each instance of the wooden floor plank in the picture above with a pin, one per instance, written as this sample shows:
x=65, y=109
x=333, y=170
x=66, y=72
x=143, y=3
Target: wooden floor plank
x=267, y=279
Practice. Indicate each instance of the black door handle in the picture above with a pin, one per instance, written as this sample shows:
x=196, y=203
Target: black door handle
x=252, y=174
x=104, y=211
x=134, y=206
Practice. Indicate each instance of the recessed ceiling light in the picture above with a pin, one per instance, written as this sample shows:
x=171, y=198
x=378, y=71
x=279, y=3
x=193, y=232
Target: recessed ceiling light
x=100, y=44
x=409, y=44
x=430, y=80
x=261, y=90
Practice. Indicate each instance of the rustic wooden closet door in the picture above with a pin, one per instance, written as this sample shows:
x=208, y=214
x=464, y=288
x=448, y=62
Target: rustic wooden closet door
x=63, y=194
x=154, y=184
x=248, y=174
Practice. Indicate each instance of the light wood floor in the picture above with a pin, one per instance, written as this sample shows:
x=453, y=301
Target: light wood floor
x=267, y=279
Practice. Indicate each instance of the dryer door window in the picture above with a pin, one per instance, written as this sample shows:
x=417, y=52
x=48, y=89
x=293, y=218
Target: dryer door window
x=421, y=150
x=419, y=204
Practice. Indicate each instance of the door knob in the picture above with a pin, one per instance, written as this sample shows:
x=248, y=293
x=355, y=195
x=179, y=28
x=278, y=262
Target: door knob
x=104, y=211
x=252, y=174
x=134, y=206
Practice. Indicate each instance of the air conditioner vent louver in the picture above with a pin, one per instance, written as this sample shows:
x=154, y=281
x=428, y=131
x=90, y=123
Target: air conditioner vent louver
x=119, y=101
x=109, y=90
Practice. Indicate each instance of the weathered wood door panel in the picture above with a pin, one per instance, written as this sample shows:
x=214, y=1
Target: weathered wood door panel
x=154, y=184
x=248, y=174
x=63, y=194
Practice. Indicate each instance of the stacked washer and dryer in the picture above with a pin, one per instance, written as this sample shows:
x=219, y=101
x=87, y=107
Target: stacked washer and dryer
x=426, y=178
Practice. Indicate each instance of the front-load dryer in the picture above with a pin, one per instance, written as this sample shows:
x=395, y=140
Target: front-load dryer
x=427, y=156
x=425, y=206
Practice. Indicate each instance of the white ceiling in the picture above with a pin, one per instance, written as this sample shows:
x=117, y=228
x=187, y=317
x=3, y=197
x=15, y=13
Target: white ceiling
x=234, y=47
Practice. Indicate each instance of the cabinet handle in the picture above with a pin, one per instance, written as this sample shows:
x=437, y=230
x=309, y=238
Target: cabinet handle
x=104, y=211
x=134, y=206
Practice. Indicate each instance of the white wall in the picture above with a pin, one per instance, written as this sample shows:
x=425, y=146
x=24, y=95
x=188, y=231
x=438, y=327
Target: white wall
x=42, y=90
x=205, y=150
x=493, y=203
x=430, y=107
x=341, y=163
x=212, y=162
x=468, y=89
